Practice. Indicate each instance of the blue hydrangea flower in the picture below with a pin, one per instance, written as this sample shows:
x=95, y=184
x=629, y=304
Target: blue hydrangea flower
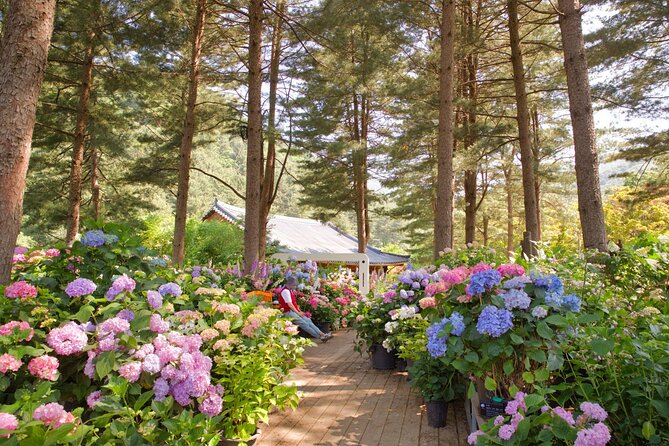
x=458, y=323
x=94, y=238
x=484, y=281
x=170, y=288
x=494, y=321
x=539, y=312
x=553, y=299
x=197, y=271
x=515, y=298
x=436, y=344
x=552, y=284
x=572, y=302
x=517, y=282
x=403, y=294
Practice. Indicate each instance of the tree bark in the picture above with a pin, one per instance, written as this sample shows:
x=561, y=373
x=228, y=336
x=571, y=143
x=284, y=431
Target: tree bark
x=508, y=176
x=255, y=150
x=470, y=207
x=358, y=159
x=74, y=206
x=523, y=117
x=470, y=91
x=186, y=149
x=583, y=126
x=536, y=152
x=267, y=187
x=443, y=221
x=23, y=54
x=95, y=186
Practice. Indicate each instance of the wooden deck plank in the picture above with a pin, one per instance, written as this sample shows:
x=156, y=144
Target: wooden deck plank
x=346, y=402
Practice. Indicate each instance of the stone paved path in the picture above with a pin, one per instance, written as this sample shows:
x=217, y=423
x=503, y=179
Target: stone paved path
x=346, y=402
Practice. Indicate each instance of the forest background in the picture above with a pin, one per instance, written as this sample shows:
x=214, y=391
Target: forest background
x=116, y=87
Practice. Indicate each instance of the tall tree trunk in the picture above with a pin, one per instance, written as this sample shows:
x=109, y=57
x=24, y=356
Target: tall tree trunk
x=583, y=126
x=470, y=207
x=486, y=224
x=23, y=53
x=79, y=140
x=255, y=150
x=267, y=186
x=508, y=176
x=358, y=159
x=523, y=115
x=95, y=186
x=186, y=149
x=536, y=152
x=443, y=221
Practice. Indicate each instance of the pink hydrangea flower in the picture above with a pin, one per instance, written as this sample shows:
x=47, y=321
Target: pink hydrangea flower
x=114, y=326
x=8, y=329
x=21, y=289
x=506, y=432
x=597, y=435
x=44, y=367
x=8, y=422
x=53, y=252
x=9, y=362
x=20, y=250
x=481, y=267
x=291, y=328
x=158, y=325
x=131, y=371
x=93, y=398
x=471, y=439
x=594, y=411
x=511, y=270
x=223, y=326
x=53, y=415
x=427, y=302
x=209, y=334
x=151, y=363
x=232, y=309
x=565, y=415
x=212, y=404
x=67, y=340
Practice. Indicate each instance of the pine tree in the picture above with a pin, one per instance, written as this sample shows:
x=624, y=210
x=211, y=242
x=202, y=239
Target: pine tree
x=23, y=54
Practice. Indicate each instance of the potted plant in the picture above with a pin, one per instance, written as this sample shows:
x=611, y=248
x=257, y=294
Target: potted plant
x=438, y=384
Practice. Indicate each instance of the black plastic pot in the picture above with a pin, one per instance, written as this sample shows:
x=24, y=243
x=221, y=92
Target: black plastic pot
x=325, y=327
x=400, y=364
x=436, y=413
x=382, y=359
x=236, y=441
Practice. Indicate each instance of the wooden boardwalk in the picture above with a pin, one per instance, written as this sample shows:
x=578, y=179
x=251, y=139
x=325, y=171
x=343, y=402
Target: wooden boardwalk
x=346, y=402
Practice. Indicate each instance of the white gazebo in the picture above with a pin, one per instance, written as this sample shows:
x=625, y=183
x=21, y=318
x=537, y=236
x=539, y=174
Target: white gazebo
x=307, y=239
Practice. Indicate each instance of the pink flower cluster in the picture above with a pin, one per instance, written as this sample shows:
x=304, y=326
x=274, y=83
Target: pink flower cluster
x=21, y=289
x=256, y=319
x=343, y=300
x=158, y=325
x=427, y=302
x=44, y=367
x=208, y=334
x=291, y=328
x=481, y=267
x=107, y=331
x=223, y=326
x=389, y=296
x=53, y=415
x=433, y=288
x=454, y=276
x=232, y=309
x=8, y=329
x=93, y=398
x=53, y=252
x=67, y=340
x=597, y=435
x=512, y=408
x=511, y=270
x=8, y=422
x=185, y=316
x=9, y=362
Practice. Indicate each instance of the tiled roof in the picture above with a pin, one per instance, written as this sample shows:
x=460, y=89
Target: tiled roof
x=304, y=235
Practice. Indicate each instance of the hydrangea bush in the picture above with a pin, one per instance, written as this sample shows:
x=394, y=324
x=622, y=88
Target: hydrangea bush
x=100, y=343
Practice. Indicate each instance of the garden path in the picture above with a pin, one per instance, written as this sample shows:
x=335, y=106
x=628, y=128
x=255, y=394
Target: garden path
x=346, y=402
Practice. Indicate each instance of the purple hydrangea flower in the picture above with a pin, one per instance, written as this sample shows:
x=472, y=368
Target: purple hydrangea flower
x=121, y=284
x=494, y=321
x=155, y=299
x=517, y=282
x=170, y=288
x=515, y=298
x=594, y=411
x=197, y=271
x=80, y=287
x=597, y=435
x=126, y=314
x=539, y=312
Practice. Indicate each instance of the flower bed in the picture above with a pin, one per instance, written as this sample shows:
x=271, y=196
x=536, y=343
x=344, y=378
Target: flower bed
x=99, y=342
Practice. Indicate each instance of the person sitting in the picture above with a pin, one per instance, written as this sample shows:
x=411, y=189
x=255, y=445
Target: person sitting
x=288, y=303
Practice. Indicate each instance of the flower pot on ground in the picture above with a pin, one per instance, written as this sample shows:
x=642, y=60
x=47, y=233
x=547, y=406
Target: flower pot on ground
x=237, y=442
x=436, y=413
x=325, y=327
x=400, y=364
x=382, y=359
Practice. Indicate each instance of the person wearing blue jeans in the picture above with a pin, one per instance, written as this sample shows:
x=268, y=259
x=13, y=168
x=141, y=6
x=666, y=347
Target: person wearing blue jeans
x=288, y=304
